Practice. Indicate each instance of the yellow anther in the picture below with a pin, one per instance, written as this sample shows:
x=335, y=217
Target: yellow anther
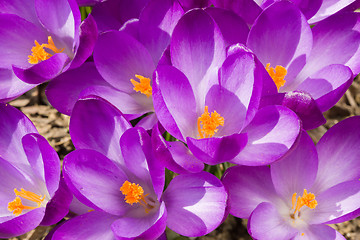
x=143, y=86
x=207, y=125
x=16, y=205
x=133, y=192
x=39, y=54
x=307, y=199
x=278, y=74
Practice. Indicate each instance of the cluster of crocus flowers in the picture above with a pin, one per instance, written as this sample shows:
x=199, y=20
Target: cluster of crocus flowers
x=159, y=90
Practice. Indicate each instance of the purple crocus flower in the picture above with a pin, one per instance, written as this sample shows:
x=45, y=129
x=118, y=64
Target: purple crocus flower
x=31, y=190
x=299, y=194
x=210, y=96
x=40, y=39
x=123, y=183
x=311, y=67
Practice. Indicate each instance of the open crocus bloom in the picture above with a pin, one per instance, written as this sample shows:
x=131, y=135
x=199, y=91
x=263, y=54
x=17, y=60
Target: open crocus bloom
x=43, y=41
x=121, y=180
x=308, y=188
x=30, y=169
x=210, y=96
x=311, y=67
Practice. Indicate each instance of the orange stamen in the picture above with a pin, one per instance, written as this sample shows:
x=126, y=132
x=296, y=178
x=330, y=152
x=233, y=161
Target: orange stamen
x=134, y=193
x=207, y=125
x=39, y=54
x=17, y=207
x=278, y=74
x=307, y=199
x=143, y=86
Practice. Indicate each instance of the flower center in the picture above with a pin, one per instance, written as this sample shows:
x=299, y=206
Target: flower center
x=39, y=54
x=134, y=193
x=307, y=199
x=278, y=74
x=207, y=125
x=143, y=86
x=17, y=207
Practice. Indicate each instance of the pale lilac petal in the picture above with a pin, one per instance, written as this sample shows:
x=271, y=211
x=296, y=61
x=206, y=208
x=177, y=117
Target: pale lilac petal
x=97, y=180
x=266, y=222
x=217, y=150
x=247, y=188
x=271, y=134
x=118, y=57
x=336, y=202
x=297, y=170
x=24, y=9
x=198, y=50
x=328, y=8
x=195, y=203
x=91, y=226
x=87, y=117
x=173, y=87
x=282, y=36
x=338, y=154
x=318, y=232
x=328, y=85
x=149, y=227
x=148, y=121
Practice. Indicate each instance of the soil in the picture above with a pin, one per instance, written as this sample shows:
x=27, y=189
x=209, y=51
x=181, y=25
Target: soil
x=55, y=128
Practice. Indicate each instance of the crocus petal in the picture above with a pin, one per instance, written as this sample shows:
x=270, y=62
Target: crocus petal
x=118, y=57
x=63, y=91
x=58, y=207
x=266, y=222
x=174, y=155
x=175, y=87
x=198, y=50
x=24, y=9
x=149, y=227
x=336, y=202
x=96, y=179
x=281, y=36
x=328, y=85
x=336, y=41
x=190, y=4
x=195, y=203
x=136, y=148
x=271, y=134
x=87, y=116
x=87, y=39
x=305, y=108
x=297, y=170
x=238, y=31
x=92, y=226
x=61, y=18
x=43, y=160
x=247, y=188
x=319, y=232
x=21, y=224
x=11, y=86
x=217, y=150
x=338, y=154
x=13, y=126
x=328, y=8
x=42, y=71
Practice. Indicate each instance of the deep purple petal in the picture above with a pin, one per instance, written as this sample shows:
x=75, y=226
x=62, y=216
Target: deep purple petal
x=272, y=132
x=195, y=203
x=22, y=8
x=58, y=207
x=149, y=227
x=21, y=224
x=266, y=223
x=95, y=179
x=247, y=188
x=297, y=170
x=198, y=50
x=217, y=150
x=97, y=125
x=305, y=108
x=92, y=226
x=328, y=85
x=63, y=91
x=338, y=154
x=328, y=8
x=190, y=4
x=281, y=36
